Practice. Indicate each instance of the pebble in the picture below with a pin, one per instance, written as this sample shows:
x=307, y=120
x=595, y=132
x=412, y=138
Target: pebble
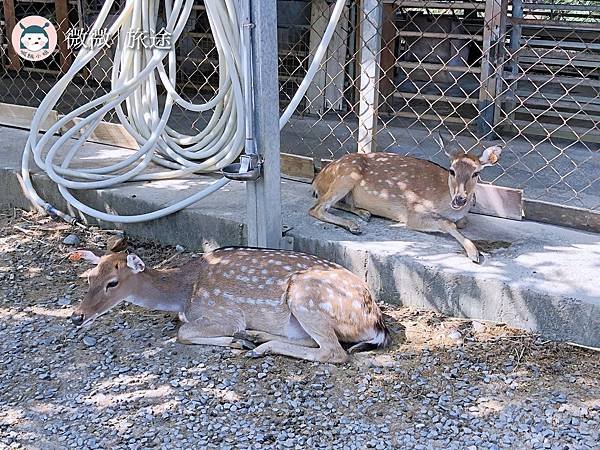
x=478, y=327
x=455, y=335
x=64, y=301
x=71, y=239
x=89, y=341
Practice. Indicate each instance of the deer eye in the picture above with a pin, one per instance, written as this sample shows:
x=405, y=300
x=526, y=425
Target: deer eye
x=475, y=174
x=112, y=284
x=452, y=172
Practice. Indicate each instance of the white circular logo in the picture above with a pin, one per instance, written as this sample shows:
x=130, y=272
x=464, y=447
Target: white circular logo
x=34, y=38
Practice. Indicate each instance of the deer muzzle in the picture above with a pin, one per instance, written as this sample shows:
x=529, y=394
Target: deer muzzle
x=458, y=202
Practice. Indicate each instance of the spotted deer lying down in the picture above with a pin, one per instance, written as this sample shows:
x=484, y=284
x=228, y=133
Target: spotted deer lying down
x=419, y=193
x=289, y=303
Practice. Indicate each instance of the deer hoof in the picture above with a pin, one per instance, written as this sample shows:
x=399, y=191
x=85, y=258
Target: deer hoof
x=476, y=257
x=245, y=344
x=355, y=229
x=252, y=354
x=365, y=215
x=241, y=335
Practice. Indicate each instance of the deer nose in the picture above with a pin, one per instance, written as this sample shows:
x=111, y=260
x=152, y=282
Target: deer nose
x=459, y=201
x=77, y=319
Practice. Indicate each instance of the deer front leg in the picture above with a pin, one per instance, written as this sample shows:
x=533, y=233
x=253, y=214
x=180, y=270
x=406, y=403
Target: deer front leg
x=461, y=223
x=437, y=224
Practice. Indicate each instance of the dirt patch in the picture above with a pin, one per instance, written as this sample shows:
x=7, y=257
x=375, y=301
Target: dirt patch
x=490, y=246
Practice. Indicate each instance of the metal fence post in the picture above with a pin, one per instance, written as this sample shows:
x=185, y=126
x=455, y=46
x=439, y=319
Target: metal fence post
x=370, y=37
x=264, y=195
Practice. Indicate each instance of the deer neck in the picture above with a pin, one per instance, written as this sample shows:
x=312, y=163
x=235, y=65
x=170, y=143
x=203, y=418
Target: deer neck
x=161, y=290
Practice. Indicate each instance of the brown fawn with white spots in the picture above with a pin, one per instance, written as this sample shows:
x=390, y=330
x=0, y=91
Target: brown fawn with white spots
x=421, y=194
x=289, y=303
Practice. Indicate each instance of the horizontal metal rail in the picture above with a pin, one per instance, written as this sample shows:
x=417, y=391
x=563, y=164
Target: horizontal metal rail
x=437, y=67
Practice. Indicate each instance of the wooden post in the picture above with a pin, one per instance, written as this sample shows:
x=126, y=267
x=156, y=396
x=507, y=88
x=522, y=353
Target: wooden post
x=388, y=57
x=370, y=37
x=10, y=22
x=62, y=26
x=264, y=195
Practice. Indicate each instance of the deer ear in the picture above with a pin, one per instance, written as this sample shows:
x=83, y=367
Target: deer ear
x=490, y=155
x=135, y=263
x=85, y=255
x=450, y=148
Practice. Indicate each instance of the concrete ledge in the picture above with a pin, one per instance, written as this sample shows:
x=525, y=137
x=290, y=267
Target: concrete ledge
x=545, y=280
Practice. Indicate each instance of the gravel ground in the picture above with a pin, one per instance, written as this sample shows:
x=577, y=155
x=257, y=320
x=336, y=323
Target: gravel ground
x=126, y=383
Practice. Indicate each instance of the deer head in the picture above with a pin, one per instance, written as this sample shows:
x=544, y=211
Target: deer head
x=111, y=282
x=464, y=170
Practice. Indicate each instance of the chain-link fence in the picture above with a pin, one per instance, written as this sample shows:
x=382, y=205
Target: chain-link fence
x=523, y=73
x=395, y=73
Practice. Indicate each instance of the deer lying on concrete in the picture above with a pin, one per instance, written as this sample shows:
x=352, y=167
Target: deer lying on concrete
x=290, y=303
x=419, y=193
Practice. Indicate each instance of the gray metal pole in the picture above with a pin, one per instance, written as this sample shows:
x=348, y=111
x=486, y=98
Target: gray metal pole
x=264, y=195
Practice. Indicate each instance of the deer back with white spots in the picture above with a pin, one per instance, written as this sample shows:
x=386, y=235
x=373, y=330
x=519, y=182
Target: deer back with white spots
x=285, y=302
x=419, y=193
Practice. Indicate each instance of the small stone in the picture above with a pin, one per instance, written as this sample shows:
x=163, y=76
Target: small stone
x=64, y=301
x=71, y=239
x=455, y=336
x=179, y=248
x=261, y=375
x=478, y=327
x=89, y=341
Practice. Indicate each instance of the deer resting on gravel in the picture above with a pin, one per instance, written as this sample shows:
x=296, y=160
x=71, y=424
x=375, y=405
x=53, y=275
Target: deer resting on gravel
x=421, y=194
x=289, y=303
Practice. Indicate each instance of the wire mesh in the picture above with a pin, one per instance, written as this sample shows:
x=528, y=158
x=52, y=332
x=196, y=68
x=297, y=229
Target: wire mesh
x=395, y=73
x=524, y=74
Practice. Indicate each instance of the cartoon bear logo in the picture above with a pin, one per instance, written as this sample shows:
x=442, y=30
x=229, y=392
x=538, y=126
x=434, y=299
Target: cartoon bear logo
x=34, y=38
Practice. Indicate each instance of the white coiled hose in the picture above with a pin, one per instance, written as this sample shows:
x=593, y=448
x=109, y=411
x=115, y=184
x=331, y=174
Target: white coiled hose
x=134, y=82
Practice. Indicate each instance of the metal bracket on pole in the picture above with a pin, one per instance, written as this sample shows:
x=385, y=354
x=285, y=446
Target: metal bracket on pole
x=248, y=169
